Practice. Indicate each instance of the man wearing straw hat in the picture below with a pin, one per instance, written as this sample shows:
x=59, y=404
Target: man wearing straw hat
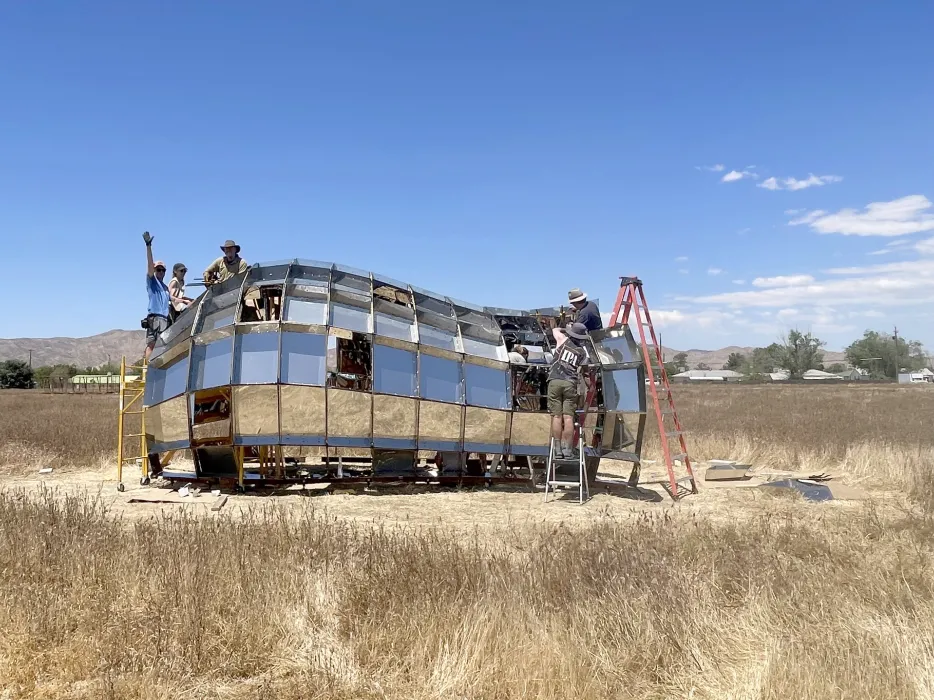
x=226, y=266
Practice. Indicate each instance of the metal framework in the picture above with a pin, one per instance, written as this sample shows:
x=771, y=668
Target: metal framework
x=301, y=370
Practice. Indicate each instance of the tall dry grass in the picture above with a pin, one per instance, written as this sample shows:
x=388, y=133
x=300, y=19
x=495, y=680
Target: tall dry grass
x=268, y=606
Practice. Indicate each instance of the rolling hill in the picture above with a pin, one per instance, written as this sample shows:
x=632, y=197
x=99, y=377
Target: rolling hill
x=112, y=345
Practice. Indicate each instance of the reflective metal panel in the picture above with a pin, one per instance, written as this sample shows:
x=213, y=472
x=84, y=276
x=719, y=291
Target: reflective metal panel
x=619, y=431
x=436, y=337
x=487, y=386
x=256, y=358
x=616, y=347
x=167, y=422
x=349, y=414
x=623, y=390
x=440, y=379
x=256, y=410
x=350, y=311
x=394, y=371
x=211, y=364
x=439, y=422
x=484, y=428
x=166, y=381
x=179, y=331
x=394, y=417
x=305, y=304
x=487, y=346
x=530, y=429
x=394, y=320
x=303, y=358
x=302, y=410
x=220, y=305
x=268, y=273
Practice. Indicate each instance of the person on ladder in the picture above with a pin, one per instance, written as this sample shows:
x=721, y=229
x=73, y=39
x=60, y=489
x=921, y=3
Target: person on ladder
x=563, y=378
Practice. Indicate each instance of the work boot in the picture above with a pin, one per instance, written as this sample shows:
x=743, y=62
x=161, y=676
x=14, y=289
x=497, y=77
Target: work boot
x=567, y=450
x=571, y=452
x=559, y=450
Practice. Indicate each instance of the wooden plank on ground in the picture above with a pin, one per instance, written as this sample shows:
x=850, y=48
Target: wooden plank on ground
x=219, y=503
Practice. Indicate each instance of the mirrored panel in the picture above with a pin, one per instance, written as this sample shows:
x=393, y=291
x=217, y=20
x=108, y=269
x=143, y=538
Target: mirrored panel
x=439, y=423
x=256, y=358
x=210, y=416
x=268, y=273
x=433, y=303
x=350, y=279
x=440, y=379
x=350, y=311
x=211, y=364
x=394, y=371
x=302, y=414
x=620, y=431
x=437, y=331
x=349, y=415
x=166, y=381
x=530, y=434
x=485, y=430
x=616, y=347
x=303, y=358
x=304, y=305
x=394, y=422
x=219, y=307
x=487, y=386
x=623, y=390
x=255, y=413
x=167, y=424
x=179, y=332
x=483, y=343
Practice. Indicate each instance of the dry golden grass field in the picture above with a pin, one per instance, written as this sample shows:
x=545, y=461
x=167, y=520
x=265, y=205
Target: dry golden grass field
x=732, y=593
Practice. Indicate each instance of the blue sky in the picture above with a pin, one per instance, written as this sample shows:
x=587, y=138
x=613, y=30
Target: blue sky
x=724, y=152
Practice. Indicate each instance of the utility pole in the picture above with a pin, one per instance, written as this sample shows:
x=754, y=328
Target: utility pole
x=896, y=353
x=30, y=359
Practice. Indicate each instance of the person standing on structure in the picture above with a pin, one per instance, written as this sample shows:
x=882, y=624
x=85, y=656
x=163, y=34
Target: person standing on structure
x=157, y=316
x=563, y=378
x=226, y=266
x=177, y=291
x=587, y=312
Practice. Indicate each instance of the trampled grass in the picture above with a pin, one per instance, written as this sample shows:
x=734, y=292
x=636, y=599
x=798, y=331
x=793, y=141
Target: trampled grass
x=787, y=601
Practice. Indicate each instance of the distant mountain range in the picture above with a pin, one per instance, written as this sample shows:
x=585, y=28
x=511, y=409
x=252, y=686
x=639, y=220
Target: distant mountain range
x=112, y=345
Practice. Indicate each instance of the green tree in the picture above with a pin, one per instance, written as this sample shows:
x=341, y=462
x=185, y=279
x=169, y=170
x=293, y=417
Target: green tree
x=735, y=361
x=680, y=360
x=15, y=374
x=702, y=366
x=837, y=367
x=798, y=352
x=877, y=353
x=762, y=361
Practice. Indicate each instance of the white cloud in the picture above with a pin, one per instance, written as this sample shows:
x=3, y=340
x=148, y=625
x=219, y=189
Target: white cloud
x=717, y=168
x=682, y=271
x=790, y=183
x=925, y=247
x=735, y=175
x=714, y=271
x=782, y=281
x=898, y=217
x=739, y=281
x=681, y=258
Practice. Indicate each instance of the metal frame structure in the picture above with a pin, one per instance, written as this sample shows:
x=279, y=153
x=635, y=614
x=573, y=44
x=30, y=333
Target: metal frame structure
x=301, y=370
x=131, y=404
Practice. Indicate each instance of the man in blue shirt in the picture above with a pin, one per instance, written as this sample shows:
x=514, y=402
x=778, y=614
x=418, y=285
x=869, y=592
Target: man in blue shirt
x=157, y=318
x=587, y=311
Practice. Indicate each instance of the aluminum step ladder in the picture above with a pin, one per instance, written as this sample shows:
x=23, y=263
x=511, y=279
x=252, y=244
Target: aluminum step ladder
x=555, y=481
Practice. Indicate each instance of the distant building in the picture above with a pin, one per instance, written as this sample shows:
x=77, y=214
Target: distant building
x=913, y=378
x=708, y=375
x=776, y=376
x=816, y=375
x=101, y=378
x=853, y=375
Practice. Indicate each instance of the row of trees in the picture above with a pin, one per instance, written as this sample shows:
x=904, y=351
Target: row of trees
x=878, y=353
x=16, y=374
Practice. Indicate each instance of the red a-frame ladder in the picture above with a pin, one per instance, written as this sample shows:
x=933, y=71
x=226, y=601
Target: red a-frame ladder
x=630, y=302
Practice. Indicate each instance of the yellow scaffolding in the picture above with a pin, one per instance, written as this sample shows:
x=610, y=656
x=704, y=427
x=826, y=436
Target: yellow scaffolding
x=131, y=404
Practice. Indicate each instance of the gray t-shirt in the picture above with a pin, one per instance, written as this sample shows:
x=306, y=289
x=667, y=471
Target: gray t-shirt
x=569, y=358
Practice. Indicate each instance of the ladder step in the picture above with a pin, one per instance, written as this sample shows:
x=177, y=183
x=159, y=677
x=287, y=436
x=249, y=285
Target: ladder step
x=132, y=435
x=133, y=413
x=564, y=483
x=678, y=457
x=674, y=433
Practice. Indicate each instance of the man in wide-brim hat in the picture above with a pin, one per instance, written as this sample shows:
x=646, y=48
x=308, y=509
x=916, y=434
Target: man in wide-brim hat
x=586, y=312
x=563, y=378
x=227, y=266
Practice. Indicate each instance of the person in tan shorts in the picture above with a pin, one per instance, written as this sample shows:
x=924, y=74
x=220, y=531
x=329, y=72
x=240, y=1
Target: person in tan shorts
x=570, y=357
